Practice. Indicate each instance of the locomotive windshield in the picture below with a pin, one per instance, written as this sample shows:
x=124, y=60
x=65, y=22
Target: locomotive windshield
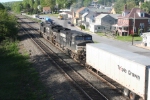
x=83, y=38
x=79, y=38
x=87, y=38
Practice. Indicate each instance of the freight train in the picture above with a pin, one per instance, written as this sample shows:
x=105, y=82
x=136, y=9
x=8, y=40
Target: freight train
x=129, y=69
x=71, y=41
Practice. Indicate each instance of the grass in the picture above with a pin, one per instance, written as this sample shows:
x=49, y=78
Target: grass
x=19, y=80
x=128, y=38
x=101, y=34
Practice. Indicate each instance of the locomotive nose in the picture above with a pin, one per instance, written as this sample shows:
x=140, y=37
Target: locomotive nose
x=84, y=43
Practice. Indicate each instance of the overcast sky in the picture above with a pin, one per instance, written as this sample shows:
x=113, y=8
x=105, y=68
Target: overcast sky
x=9, y=0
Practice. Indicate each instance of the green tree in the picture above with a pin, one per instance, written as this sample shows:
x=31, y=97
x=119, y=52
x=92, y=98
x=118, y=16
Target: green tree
x=86, y=2
x=8, y=25
x=119, y=5
x=145, y=6
x=1, y=7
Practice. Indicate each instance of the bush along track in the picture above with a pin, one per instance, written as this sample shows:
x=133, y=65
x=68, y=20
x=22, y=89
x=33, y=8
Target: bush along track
x=18, y=79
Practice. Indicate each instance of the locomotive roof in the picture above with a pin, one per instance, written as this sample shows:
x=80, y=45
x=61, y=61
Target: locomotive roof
x=60, y=28
x=78, y=33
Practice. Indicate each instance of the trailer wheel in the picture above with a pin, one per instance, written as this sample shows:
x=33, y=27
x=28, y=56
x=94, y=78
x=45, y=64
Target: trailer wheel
x=126, y=92
x=48, y=38
x=132, y=95
x=140, y=98
x=41, y=34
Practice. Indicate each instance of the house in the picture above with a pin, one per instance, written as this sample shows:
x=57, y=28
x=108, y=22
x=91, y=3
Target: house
x=146, y=39
x=113, y=11
x=132, y=21
x=89, y=18
x=69, y=13
x=106, y=20
x=101, y=10
x=46, y=10
x=77, y=16
x=96, y=27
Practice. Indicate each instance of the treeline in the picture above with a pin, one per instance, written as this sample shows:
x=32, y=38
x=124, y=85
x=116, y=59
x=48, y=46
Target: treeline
x=119, y=5
x=8, y=25
x=35, y=6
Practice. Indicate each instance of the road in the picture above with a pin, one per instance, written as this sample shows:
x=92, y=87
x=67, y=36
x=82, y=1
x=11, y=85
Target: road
x=124, y=45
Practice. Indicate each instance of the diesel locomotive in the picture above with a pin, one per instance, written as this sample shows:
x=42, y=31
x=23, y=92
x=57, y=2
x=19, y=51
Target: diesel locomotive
x=72, y=42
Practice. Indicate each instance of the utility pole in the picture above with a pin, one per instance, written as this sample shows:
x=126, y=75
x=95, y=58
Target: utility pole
x=133, y=29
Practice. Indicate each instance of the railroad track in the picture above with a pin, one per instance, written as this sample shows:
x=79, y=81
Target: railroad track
x=104, y=79
x=82, y=85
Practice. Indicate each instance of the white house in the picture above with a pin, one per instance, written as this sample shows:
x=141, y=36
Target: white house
x=84, y=16
x=146, y=39
x=95, y=27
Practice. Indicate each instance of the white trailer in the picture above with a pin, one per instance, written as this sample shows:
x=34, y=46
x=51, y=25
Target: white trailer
x=129, y=69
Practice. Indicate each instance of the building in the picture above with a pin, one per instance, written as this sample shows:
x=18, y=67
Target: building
x=77, y=16
x=133, y=22
x=106, y=21
x=46, y=10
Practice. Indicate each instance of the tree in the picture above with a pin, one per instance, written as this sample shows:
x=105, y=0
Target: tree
x=1, y=7
x=86, y=2
x=8, y=25
x=119, y=5
x=145, y=6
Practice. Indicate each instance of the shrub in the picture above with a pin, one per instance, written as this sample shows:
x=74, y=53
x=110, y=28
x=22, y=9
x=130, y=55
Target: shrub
x=82, y=26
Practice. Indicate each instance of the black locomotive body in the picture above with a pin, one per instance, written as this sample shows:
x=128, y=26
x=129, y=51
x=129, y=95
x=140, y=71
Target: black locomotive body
x=71, y=41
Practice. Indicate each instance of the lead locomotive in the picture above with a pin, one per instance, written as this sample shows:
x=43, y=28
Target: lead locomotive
x=71, y=41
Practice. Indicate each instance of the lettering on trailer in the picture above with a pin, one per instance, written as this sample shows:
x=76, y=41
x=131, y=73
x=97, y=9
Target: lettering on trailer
x=128, y=72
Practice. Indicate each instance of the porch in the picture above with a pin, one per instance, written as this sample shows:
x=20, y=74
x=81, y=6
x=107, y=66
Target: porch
x=121, y=30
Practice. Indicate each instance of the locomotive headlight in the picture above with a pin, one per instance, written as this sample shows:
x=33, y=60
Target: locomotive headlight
x=80, y=48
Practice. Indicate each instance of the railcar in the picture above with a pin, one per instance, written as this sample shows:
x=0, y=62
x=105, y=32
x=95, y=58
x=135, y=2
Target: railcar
x=71, y=41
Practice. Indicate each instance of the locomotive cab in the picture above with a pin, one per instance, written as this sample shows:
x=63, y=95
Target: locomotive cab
x=75, y=42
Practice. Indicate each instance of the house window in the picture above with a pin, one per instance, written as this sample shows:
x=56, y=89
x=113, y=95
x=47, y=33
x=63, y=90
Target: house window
x=142, y=14
x=141, y=25
x=134, y=29
x=148, y=21
x=99, y=27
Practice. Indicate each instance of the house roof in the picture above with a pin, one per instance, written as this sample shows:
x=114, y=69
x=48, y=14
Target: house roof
x=68, y=12
x=79, y=10
x=115, y=16
x=134, y=14
x=74, y=9
x=99, y=10
x=46, y=8
x=84, y=14
x=101, y=16
x=91, y=13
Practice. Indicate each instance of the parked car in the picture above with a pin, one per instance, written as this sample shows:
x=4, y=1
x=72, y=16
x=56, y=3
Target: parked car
x=60, y=17
x=69, y=22
x=72, y=24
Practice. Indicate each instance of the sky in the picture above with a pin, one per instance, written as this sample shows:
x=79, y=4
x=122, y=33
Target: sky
x=2, y=1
